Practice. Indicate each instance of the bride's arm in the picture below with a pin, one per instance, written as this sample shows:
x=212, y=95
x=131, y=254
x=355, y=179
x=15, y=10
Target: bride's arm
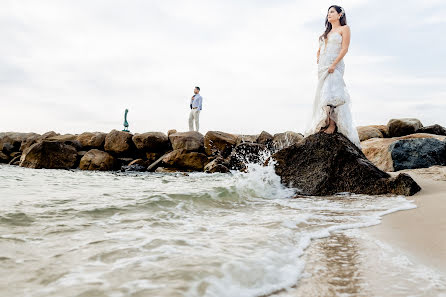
x=318, y=53
x=344, y=46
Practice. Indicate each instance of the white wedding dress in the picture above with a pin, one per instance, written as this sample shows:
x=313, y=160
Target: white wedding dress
x=331, y=90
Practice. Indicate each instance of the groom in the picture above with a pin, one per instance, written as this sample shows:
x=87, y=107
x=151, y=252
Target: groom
x=195, y=106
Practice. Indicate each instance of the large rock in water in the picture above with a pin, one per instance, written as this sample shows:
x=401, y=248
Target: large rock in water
x=219, y=143
x=185, y=160
x=326, y=164
x=118, y=142
x=49, y=154
x=402, y=127
x=190, y=141
x=95, y=159
x=387, y=155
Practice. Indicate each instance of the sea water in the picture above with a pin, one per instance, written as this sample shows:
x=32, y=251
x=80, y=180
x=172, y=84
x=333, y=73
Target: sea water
x=81, y=233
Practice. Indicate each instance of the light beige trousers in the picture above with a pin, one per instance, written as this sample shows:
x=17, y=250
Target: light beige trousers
x=194, y=116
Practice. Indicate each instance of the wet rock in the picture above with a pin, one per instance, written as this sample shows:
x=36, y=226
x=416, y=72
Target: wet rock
x=190, y=141
x=15, y=161
x=219, y=143
x=246, y=138
x=49, y=154
x=286, y=139
x=152, y=157
x=402, y=127
x=379, y=151
x=4, y=158
x=95, y=159
x=246, y=153
x=434, y=129
x=216, y=165
x=326, y=164
x=119, y=143
x=186, y=160
x=92, y=140
x=123, y=162
x=11, y=141
x=418, y=153
x=15, y=154
x=154, y=165
x=367, y=132
x=136, y=165
x=151, y=142
x=265, y=138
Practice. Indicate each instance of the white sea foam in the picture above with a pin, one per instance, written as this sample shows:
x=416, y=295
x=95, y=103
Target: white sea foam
x=238, y=234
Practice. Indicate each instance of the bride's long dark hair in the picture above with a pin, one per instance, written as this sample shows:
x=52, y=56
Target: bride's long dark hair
x=342, y=20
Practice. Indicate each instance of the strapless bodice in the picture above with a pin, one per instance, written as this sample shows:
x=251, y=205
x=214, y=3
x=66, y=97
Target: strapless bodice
x=329, y=52
x=333, y=46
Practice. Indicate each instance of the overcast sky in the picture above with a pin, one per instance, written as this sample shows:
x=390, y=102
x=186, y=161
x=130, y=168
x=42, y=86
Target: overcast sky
x=74, y=66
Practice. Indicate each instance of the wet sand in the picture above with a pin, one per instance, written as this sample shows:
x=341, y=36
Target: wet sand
x=405, y=255
x=421, y=232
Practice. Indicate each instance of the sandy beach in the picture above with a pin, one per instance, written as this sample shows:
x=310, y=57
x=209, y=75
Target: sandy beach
x=421, y=232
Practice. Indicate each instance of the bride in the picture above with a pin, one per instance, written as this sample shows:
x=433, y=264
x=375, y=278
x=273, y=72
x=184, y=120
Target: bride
x=331, y=106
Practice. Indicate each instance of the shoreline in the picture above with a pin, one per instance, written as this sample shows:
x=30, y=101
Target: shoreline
x=420, y=232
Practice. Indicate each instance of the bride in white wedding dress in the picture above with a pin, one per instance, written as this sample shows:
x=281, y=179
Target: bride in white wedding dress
x=331, y=106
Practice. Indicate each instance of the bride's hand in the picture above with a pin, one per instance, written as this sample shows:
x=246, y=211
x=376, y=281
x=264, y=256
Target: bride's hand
x=331, y=69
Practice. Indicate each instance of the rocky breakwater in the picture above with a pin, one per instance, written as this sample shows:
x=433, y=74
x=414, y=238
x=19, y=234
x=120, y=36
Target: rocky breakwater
x=215, y=151
x=326, y=164
x=404, y=144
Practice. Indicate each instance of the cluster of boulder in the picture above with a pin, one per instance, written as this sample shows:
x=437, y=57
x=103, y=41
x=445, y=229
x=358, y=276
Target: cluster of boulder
x=152, y=151
x=403, y=144
x=320, y=164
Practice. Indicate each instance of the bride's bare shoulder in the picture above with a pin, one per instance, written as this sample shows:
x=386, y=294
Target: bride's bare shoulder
x=345, y=29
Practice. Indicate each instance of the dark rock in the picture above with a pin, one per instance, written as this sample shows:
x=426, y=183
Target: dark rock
x=15, y=161
x=190, y=141
x=152, y=167
x=216, y=165
x=326, y=164
x=15, y=154
x=219, y=143
x=418, y=153
x=402, y=127
x=186, y=160
x=434, y=129
x=136, y=165
x=4, y=158
x=246, y=153
x=92, y=140
x=119, y=143
x=151, y=142
x=379, y=151
x=11, y=141
x=152, y=157
x=49, y=154
x=95, y=159
x=122, y=162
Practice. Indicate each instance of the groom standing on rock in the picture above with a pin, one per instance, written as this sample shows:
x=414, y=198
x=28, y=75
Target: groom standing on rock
x=195, y=106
